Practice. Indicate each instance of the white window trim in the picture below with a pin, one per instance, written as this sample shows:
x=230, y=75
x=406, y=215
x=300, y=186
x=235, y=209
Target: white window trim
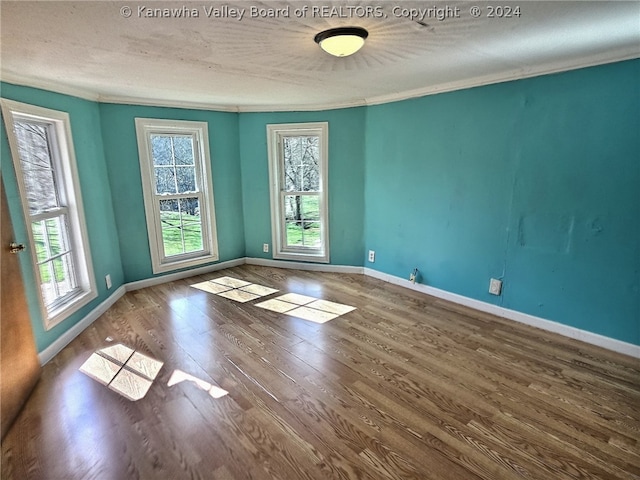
x=67, y=171
x=276, y=179
x=144, y=128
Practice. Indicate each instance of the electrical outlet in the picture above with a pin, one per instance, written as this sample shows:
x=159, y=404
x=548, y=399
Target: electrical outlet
x=495, y=286
x=265, y=247
x=372, y=256
x=107, y=279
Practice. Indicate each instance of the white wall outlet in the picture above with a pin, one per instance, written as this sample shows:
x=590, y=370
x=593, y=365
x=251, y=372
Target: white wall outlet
x=265, y=247
x=372, y=256
x=495, y=286
x=107, y=280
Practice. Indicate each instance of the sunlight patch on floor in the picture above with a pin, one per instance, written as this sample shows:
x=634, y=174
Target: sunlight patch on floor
x=276, y=305
x=178, y=376
x=293, y=304
x=123, y=370
x=296, y=298
x=234, y=289
x=239, y=295
x=305, y=307
x=211, y=287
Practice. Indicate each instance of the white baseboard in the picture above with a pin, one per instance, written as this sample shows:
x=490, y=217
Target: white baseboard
x=316, y=267
x=150, y=282
x=571, y=332
x=551, y=326
x=66, y=338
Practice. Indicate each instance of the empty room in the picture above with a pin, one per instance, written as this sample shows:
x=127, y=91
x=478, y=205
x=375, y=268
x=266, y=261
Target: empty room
x=372, y=240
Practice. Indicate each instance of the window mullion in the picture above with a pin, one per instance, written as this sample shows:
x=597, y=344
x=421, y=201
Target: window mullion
x=54, y=257
x=177, y=196
x=173, y=164
x=52, y=213
x=181, y=226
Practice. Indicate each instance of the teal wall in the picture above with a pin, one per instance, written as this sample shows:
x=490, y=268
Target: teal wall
x=121, y=151
x=346, y=180
x=536, y=182
x=96, y=196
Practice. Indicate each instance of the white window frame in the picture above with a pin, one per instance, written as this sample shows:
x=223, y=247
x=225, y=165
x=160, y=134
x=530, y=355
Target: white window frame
x=145, y=127
x=63, y=160
x=275, y=134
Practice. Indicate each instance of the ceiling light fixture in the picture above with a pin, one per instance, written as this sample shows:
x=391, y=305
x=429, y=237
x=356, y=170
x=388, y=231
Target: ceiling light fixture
x=343, y=41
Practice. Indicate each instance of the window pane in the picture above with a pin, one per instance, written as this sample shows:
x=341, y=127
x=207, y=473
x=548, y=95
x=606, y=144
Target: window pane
x=294, y=234
x=301, y=163
x=58, y=279
x=186, y=179
x=310, y=207
x=302, y=217
x=40, y=241
x=172, y=240
x=169, y=213
x=65, y=280
x=293, y=207
x=303, y=234
x=41, y=189
x=192, y=237
x=172, y=150
x=35, y=160
x=183, y=150
x=191, y=224
x=292, y=180
x=48, y=284
x=190, y=209
x=57, y=235
x=181, y=226
x=165, y=180
x=171, y=227
x=161, y=150
x=33, y=143
x=311, y=176
x=293, y=168
x=311, y=234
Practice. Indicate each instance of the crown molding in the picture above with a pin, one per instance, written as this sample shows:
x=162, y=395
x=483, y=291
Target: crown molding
x=50, y=86
x=149, y=102
x=508, y=76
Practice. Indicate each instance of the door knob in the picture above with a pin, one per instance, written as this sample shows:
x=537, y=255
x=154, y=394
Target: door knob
x=16, y=247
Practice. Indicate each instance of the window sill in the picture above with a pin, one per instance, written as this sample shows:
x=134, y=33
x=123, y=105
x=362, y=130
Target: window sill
x=61, y=313
x=186, y=263
x=303, y=257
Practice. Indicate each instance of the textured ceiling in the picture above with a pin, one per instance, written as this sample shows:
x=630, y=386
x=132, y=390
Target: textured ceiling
x=93, y=49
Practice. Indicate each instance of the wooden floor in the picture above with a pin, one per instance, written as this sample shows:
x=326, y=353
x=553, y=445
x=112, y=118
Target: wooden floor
x=404, y=387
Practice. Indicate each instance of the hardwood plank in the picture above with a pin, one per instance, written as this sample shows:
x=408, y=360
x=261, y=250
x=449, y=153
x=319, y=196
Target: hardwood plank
x=404, y=387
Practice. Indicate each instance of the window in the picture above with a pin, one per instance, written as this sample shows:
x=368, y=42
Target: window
x=298, y=183
x=44, y=160
x=178, y=192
